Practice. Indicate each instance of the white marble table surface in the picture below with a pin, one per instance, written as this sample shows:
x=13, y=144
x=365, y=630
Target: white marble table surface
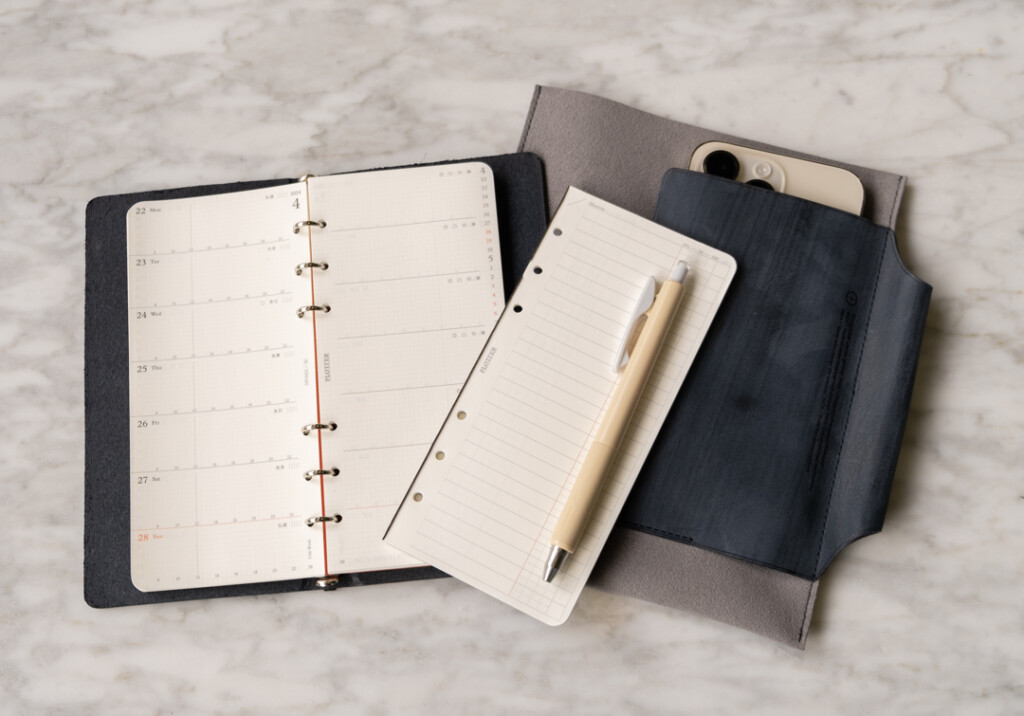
x=114, y=96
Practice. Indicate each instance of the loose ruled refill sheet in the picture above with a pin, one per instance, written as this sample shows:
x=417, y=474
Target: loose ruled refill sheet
x=488, y=495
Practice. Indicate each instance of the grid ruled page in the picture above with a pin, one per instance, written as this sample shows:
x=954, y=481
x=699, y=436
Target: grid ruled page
x=485, y=502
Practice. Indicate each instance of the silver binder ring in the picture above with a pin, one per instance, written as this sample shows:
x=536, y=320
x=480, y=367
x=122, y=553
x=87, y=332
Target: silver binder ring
x=323, y=518
x=307, y=429
x=302, y=311
x=306, y=222
x=306, y=177
x=310, y=474
x=310, y=264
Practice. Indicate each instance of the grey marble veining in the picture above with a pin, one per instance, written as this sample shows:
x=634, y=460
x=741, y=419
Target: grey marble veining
x=110, y=96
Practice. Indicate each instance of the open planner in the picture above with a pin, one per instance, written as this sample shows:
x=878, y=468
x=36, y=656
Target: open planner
x=486, y=499
x=292, y=352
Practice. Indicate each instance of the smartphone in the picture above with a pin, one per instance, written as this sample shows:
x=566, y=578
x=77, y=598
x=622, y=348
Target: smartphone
x=822, y=183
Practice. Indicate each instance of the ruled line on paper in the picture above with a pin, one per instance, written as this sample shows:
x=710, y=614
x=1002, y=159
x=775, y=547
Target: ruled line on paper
x=226, y=247
x=385, y=227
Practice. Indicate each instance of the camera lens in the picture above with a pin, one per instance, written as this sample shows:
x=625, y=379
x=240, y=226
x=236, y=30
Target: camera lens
x=722, y=164
x=761, y=183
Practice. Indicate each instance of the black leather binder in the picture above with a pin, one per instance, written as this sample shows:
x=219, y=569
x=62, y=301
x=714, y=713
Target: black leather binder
x=522, y=220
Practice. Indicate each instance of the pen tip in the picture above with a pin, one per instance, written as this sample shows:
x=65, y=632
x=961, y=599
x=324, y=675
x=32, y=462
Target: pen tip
x=555, y=558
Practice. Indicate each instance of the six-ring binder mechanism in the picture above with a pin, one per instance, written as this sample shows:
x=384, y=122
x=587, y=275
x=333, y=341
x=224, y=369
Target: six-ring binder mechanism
x=327, y=581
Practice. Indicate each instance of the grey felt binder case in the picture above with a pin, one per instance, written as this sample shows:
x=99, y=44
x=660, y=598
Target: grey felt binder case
x=782, y=445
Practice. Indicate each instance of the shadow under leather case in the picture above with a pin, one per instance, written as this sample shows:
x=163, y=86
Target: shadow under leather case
x=782, y=444
x=519, y=192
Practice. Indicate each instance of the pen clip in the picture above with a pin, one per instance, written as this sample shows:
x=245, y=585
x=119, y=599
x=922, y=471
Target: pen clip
x=645, y=301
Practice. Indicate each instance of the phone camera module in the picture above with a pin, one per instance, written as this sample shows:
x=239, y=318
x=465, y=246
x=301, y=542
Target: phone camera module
x=721, y=163
x=761, y=183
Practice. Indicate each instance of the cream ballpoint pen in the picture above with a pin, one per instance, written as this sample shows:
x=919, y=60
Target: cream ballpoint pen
x=585, y=491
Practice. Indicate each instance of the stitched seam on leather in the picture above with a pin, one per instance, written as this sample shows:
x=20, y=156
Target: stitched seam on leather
x=529, y=121
x=803, y=617
x=895, y=205
x=846, y=425
x=826, y=414
x=655, y=530
x=813, y=458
